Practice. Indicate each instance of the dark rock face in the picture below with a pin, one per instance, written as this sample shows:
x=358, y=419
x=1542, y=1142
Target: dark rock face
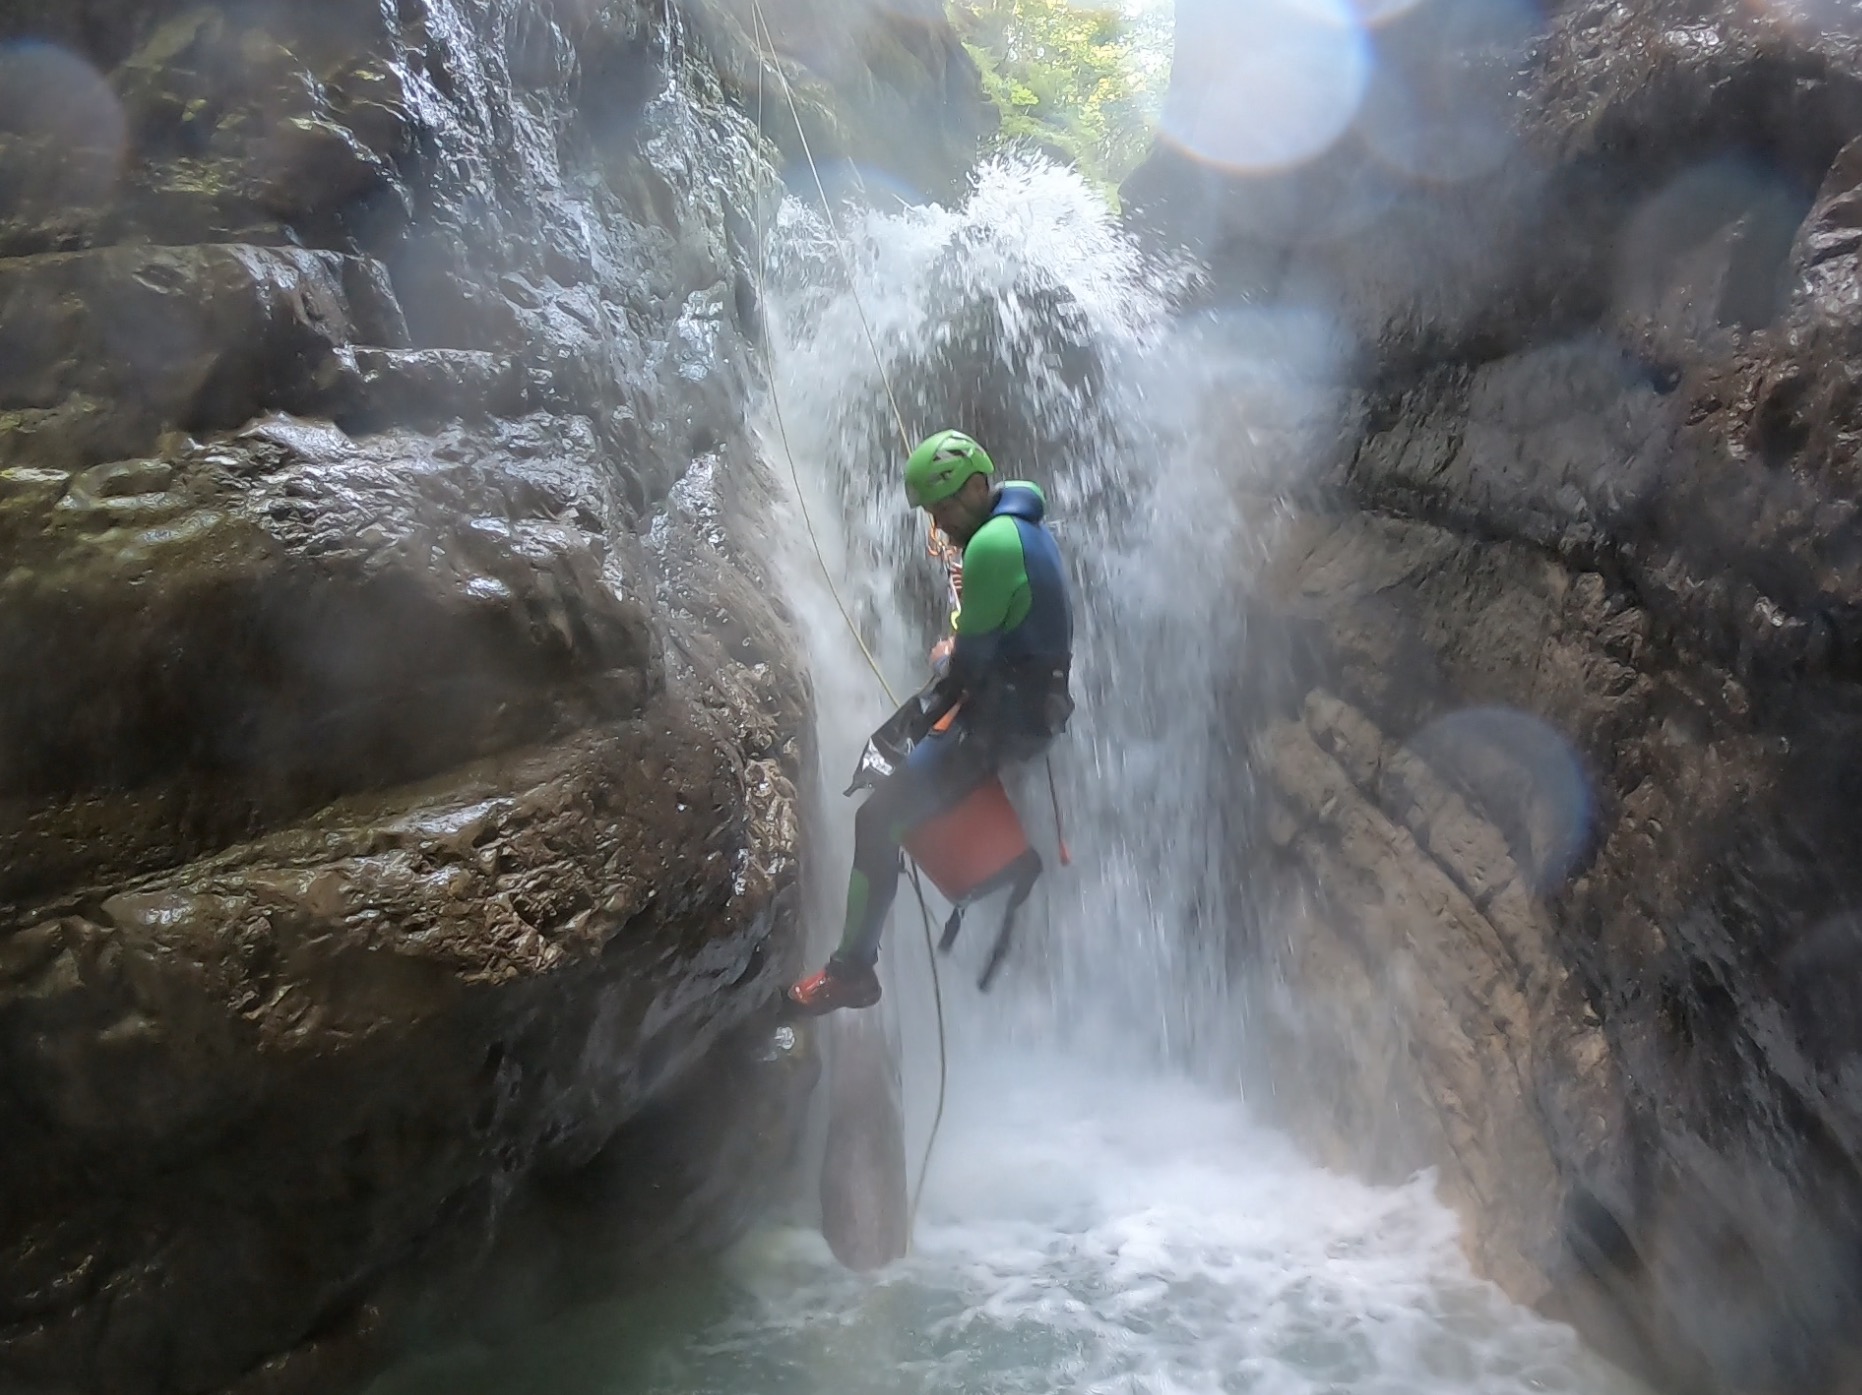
x=382, y=1022
x=397, y=733
x=277, y=577
x=1556, y=686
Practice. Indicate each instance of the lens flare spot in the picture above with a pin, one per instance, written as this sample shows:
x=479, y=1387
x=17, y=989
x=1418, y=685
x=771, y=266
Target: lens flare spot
x=1267, y=84
x=1525, y=778
x=68, y=136
x=1711, y=248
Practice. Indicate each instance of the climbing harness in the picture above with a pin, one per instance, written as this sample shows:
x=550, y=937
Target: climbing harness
x=969, y=851
x=767, y=44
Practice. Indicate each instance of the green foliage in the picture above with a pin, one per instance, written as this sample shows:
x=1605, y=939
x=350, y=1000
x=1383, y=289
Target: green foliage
x=1084, y=81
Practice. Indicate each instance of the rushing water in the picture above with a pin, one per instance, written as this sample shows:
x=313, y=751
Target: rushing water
x=1101, y=1213
x=1084, y=1229
x=1027, y=321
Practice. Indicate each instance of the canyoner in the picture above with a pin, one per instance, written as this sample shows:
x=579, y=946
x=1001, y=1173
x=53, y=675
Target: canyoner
x=998, y=696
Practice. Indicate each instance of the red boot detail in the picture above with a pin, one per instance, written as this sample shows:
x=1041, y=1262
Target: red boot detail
x=839, y=985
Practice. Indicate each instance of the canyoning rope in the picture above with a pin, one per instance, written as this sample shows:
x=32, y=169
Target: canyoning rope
x=766, y=44
x=943, y=1067
x=1060, y=831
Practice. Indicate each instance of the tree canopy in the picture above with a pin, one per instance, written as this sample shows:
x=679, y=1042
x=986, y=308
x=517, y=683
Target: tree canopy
x=1082, y=80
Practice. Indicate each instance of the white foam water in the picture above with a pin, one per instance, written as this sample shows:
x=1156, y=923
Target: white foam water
x=1083, y=1230
x=1090, y=1231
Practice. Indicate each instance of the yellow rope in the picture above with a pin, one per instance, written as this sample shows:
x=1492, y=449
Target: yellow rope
x=766, y=42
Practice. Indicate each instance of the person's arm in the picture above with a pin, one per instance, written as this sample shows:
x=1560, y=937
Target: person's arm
x=994, y=573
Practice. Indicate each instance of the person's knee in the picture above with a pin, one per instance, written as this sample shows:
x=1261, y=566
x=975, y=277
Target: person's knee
x=870, y=824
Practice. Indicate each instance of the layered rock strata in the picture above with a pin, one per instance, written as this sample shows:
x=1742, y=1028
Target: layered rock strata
x=1554, y=688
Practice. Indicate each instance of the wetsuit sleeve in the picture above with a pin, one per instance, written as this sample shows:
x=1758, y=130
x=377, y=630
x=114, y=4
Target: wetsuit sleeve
x=994, y=573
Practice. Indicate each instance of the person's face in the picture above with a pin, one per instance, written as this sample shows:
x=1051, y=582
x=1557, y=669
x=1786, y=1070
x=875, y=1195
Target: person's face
x=959, y=516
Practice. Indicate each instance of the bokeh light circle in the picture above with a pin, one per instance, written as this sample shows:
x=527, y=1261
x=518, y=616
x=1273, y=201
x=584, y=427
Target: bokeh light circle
x=67, y=125
x=1526, y=778
x=1265, y=84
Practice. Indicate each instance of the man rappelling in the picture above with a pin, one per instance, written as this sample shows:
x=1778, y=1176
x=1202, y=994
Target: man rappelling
x=1002, y=683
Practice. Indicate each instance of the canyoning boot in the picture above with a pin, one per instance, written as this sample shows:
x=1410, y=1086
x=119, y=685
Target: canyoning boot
x=839, y=985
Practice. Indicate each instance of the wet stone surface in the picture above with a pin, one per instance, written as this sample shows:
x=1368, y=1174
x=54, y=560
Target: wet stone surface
x=398, y=733
x=1560, y=652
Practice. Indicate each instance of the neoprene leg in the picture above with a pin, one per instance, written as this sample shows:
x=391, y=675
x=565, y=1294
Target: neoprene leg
x=939, y=773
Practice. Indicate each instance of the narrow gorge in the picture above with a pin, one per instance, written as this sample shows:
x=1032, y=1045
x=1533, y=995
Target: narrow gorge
x=423, y=716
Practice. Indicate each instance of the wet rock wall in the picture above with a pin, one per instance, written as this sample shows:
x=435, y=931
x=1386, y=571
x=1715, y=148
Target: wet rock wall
x=398, y=733
x=1552, y=688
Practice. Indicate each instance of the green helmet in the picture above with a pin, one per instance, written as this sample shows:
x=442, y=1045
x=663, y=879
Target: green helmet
x=942, y=466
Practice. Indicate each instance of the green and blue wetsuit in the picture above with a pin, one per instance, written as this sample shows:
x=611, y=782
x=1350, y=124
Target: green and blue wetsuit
x=1009, y=668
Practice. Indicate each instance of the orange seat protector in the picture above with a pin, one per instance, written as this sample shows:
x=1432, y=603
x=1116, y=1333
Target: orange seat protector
x=962, y=848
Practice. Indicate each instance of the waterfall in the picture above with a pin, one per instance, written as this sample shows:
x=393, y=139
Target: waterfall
x=1102, y=1212
x=1027, y=320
